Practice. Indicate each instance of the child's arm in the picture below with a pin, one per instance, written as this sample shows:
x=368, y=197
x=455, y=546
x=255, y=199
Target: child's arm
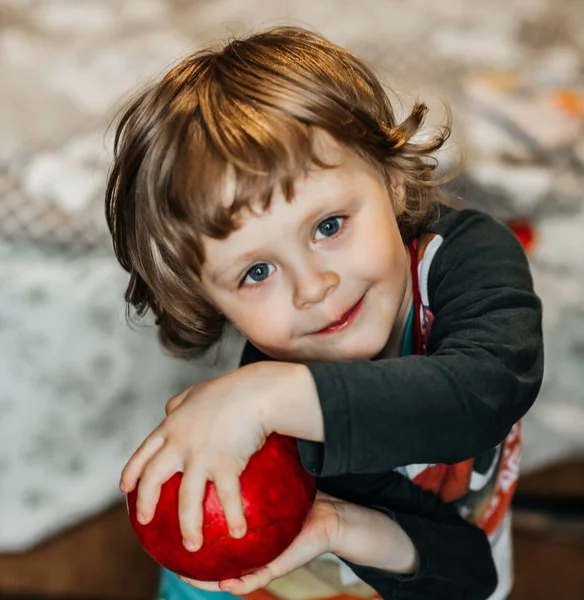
x=454, y=559
x=438, y=554
x=482, y=374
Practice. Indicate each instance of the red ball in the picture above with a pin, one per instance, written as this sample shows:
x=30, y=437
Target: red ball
x=277, y=494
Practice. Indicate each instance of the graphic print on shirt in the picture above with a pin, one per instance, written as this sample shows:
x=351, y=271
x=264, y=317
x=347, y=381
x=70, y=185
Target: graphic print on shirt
x=481, y=487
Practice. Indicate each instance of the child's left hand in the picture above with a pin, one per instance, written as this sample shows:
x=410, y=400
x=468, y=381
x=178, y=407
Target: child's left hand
x=316, y=538
x=361, y=535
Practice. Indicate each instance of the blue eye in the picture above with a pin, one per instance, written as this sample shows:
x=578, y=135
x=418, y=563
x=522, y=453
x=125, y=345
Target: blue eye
x=329, y=227
x=259, y=273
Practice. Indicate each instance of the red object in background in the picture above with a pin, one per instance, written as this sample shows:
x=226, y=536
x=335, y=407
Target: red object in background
x=524, y=232
x=277, y=494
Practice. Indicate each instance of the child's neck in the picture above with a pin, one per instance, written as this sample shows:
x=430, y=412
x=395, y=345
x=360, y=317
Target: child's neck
x=394, y=345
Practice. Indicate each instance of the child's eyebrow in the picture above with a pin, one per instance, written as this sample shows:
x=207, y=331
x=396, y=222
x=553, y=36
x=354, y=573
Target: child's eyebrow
x=222, y=272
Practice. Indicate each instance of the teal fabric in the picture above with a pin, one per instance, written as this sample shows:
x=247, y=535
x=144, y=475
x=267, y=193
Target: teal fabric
x=408, y=341
x=173, y=588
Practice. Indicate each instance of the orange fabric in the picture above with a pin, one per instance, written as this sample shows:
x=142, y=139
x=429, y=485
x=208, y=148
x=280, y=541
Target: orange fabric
x=449, y=481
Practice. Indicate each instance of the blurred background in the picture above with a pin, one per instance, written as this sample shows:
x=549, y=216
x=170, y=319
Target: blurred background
x=79, y=388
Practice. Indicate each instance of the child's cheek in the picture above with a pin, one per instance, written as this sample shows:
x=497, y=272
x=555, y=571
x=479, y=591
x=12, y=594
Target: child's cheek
x=268, y=325
x=376, y=259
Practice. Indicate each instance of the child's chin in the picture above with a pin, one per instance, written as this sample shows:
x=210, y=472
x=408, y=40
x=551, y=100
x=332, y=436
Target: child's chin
x=365, y=352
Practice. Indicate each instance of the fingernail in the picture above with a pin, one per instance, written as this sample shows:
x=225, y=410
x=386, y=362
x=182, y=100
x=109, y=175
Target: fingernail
x=190, y=546
x=238, y=532
x=141, y=518
x=226, y=588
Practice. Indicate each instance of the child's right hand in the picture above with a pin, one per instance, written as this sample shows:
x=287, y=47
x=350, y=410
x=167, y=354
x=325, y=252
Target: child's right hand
x=210, y=432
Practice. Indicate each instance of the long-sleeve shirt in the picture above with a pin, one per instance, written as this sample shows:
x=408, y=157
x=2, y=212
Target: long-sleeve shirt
x=481, y=373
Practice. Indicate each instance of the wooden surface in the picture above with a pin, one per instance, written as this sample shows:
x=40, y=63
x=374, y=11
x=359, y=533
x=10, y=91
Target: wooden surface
x=101, y=558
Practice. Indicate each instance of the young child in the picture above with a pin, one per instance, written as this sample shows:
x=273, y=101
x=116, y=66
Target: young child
x=269, y=185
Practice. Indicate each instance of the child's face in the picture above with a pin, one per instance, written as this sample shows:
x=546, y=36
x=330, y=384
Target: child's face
x=324, y=277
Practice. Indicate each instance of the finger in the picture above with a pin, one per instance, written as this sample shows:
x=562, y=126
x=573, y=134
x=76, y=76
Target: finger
x=190, y=507
x=208, y=586
x=299, y=553
x=158, y=471
x=175, y=401
x=138, y=461
x=249, y=583
x=229, y=494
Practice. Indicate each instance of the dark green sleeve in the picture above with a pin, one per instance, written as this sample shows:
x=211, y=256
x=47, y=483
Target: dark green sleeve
x=455, y=559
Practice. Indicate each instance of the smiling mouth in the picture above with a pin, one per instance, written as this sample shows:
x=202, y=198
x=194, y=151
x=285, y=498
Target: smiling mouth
x=344, y=321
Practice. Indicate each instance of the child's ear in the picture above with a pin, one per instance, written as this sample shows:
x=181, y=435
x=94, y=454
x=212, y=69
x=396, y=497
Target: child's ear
x=397, y=192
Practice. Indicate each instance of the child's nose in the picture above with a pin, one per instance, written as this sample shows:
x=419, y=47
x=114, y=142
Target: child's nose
x=313, y=287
